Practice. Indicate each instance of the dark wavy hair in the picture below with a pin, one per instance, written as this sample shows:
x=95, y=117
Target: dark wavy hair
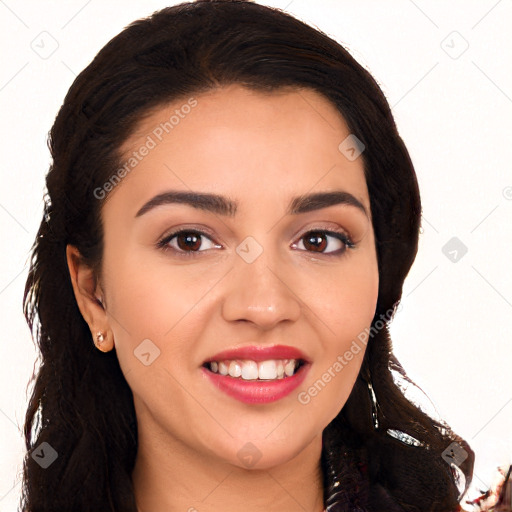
x=382, y=452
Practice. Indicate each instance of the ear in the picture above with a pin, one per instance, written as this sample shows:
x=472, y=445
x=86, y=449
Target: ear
x=89, y=297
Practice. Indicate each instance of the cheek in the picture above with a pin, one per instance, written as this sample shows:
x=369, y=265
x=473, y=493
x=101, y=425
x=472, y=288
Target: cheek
x=346, y=308
x=150, y=311
x=161, y=302
x=345, y=301
x=148, y=299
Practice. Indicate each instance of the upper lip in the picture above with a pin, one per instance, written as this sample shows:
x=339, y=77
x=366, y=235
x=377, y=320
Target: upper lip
x=259, y=353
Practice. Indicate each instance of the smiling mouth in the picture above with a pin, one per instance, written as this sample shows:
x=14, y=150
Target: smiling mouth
x=244, y=369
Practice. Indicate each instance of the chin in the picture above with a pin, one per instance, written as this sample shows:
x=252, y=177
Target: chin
x=260, y=453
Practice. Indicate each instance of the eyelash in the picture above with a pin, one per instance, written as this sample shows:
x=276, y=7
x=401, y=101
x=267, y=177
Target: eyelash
x=163, y=244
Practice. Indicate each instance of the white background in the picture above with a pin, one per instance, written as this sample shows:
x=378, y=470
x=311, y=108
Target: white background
x=455, y=115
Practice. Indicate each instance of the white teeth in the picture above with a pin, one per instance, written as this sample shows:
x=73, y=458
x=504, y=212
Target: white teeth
x=280, y=369
x=289, y=368
x=235, y=370
x=267, y=370
x=251, y=370
x=223, y=368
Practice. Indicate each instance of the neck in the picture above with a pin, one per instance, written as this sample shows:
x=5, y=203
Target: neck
x=169, y=476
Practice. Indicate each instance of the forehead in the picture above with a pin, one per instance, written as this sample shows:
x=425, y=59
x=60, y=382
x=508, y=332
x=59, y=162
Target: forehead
x=246, y=143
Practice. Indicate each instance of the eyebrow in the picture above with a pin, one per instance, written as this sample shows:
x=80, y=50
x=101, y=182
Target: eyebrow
x=222, y=205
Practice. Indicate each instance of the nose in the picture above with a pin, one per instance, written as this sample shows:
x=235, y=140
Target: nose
x=261, y=293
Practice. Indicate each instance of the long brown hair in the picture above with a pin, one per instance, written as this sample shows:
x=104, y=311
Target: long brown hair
x=179, y=51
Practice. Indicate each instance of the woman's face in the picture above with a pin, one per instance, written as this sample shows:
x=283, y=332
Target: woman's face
x=268, y=268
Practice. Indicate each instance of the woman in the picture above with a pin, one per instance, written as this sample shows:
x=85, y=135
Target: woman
x=230, y=217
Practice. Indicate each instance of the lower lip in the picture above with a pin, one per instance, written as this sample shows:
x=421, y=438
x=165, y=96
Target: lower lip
x=257, y=391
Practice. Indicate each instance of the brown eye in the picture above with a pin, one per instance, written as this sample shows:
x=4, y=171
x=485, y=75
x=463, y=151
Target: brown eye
x=315, y=241
x=318, y=241
x=187, y=242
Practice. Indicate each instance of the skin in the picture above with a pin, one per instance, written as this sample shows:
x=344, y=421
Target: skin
x=260, y=150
